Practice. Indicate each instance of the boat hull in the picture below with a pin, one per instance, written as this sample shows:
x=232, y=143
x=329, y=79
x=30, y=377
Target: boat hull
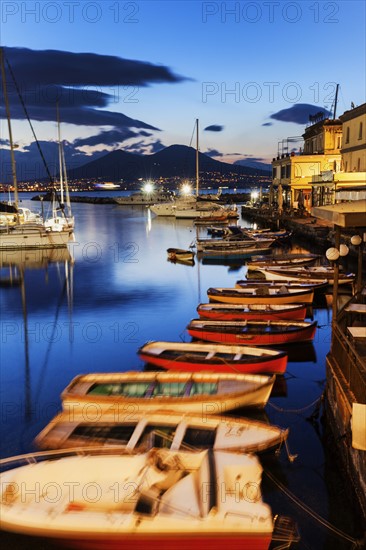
x=246, y=313
x=259, y=365
x=284, y=274
x=237, y=297
x=24, y=237
x=256, y=336
x=128, y=429
x=167, y=391
x=181, y=542
x=159, y=500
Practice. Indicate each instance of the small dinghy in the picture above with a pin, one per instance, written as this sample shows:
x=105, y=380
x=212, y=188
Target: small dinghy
x=181, y=392
x=180, y=254
x=155, y=500
x=127, y=428
x=255, y=333
x=254, y=312
x=193, y=357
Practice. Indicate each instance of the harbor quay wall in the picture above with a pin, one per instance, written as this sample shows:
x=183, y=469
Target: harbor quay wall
x=338, y=416
x=307, y=228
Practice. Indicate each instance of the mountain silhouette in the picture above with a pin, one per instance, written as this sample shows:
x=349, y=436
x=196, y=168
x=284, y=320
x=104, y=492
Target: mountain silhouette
x=173, y=161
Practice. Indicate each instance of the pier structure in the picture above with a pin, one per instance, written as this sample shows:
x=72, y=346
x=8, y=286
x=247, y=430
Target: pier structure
x=345, y=394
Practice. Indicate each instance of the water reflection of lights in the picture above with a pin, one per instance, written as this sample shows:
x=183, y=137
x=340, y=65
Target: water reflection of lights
x=148, y=221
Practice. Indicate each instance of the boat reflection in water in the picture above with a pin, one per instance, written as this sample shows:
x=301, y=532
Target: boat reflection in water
x=15, y=266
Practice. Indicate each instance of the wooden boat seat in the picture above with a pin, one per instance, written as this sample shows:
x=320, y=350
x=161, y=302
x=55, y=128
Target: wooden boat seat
x=261, y=291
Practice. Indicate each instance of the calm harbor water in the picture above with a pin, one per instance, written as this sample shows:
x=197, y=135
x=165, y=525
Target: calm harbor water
x=90, y=312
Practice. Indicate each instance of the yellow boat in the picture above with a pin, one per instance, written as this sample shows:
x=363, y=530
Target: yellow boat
x=261, y=295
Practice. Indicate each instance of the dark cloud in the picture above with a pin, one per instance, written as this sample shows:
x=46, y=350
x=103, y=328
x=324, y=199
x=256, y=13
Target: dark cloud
x=299, y=113
x=45, y=67
x=112, y=137
x=143, y=148
x=213, y=153
x=75, y=82
x=267, y=124
x=214, y=128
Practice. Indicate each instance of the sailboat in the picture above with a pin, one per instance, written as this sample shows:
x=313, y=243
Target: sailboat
x=25, y=234
x=191, y=207
x=62, y=218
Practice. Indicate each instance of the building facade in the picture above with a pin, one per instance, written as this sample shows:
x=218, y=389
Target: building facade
x=331, y=167
x=293, y=173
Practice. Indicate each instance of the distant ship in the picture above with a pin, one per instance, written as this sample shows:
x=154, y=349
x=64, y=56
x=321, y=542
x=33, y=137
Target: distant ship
x=107, y=185
x=144, y=198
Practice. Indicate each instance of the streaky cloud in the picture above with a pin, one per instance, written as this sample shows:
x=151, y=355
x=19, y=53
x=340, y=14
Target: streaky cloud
x=112, y=137
x=299, y=113
x=45, y=67
x=213, y=153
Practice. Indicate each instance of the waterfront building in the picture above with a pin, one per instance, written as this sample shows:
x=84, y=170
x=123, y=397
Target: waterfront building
x=293, y=173
x=331, y=166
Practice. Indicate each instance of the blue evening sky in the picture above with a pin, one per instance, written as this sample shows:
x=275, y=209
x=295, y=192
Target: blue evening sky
x=235, y=64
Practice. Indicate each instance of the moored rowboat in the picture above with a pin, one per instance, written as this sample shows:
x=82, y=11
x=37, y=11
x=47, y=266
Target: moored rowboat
x=256, y=296
x=138, y=432
x=291, y=260
x=255, y=312
x=315, y=284
x=255, y=333
x=305, y=273
x=180, y=391
x=192, y=357
x=175, y=254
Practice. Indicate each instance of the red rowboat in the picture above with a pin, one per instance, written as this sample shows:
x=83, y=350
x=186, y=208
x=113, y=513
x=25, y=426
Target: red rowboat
x=253, y=312
x=255, y=333
x=193, y=357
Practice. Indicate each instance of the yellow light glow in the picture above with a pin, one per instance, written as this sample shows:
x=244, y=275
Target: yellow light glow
x=148, y=188
x=186, y=189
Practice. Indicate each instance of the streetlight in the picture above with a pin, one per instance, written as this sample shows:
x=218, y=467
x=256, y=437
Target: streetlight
x=333, y=254
x=356, y=240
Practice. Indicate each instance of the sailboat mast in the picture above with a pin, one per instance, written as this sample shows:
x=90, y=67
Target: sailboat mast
x=60, y=155
x=13, y=169
x=335, y=102
x=197, y=159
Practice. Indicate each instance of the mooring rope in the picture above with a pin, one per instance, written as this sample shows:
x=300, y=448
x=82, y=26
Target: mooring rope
x=297, y=411
x=356, y=543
